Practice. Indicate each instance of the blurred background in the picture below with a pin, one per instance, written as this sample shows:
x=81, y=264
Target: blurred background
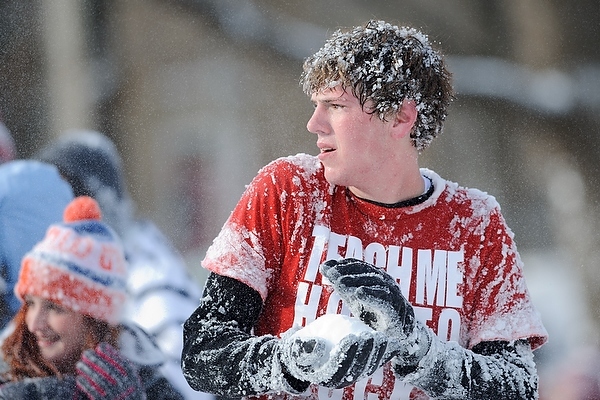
x=199, y=94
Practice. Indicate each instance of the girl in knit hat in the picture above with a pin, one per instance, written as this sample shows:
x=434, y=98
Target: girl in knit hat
x=66, y=340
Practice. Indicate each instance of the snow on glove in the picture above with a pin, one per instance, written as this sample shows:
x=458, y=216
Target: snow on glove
x=375, y=297
x=315, y=360
x=50, y=387
x=103, y=373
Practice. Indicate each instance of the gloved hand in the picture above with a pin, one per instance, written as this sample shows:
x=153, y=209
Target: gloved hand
x=103, y=373
x=374, y=296
x=312, y=359
x=50, y=387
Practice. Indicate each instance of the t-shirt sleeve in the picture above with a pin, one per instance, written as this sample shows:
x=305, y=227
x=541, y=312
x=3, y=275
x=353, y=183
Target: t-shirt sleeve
x=502, y=305
x=249, y=246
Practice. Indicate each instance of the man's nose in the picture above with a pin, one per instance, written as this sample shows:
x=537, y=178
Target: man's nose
x=315, y=124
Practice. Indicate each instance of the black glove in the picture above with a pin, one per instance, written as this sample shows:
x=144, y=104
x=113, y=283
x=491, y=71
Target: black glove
x=310, y=359
x=375, y=297
x=103, y=373
x=372, y=295
x=39, y=389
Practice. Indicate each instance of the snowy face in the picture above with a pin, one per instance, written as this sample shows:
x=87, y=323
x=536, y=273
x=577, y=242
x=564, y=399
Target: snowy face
x=59, y=332
x=351, y=141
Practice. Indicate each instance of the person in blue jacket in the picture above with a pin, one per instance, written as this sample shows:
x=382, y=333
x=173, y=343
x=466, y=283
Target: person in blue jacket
x=33, y=195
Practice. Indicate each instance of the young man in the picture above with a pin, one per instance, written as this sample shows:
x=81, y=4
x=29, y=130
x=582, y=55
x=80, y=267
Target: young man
x=361, y=229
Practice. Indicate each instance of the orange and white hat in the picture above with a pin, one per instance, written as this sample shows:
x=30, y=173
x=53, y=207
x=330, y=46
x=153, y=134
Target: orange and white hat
x=80, y=264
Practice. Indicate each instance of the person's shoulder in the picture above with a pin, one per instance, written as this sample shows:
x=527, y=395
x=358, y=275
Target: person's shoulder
x=25, y=171
x=31, y=176
x=451, y=191
x=300, y=170
x=32, y=196
x=300, y=176
x=300, y=162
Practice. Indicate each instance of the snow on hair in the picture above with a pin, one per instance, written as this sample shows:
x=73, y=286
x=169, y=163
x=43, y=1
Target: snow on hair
x=383, y=64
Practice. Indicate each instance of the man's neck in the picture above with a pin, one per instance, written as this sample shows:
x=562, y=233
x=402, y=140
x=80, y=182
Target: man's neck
x=392, y=190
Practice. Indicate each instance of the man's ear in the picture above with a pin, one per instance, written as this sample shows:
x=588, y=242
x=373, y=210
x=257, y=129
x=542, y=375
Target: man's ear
x=405, y=118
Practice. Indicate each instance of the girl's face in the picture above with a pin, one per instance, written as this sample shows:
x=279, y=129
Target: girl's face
x=60, y=332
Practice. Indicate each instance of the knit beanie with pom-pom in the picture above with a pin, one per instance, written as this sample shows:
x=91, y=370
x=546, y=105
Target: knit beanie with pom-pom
x=79, y=264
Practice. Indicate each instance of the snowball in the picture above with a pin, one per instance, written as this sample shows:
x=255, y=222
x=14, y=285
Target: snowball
x=333, y=328
x=334, y=335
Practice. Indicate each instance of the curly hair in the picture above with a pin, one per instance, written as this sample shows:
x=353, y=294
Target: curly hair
x=22, y=354
x=382, y=65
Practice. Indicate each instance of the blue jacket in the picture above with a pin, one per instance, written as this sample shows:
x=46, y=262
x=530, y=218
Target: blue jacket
x=32, y=196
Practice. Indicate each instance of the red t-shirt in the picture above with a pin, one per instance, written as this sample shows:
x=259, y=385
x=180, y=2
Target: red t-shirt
x=453, y=256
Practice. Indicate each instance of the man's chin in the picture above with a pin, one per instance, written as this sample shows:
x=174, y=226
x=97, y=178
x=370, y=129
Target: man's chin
x=332, y=176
